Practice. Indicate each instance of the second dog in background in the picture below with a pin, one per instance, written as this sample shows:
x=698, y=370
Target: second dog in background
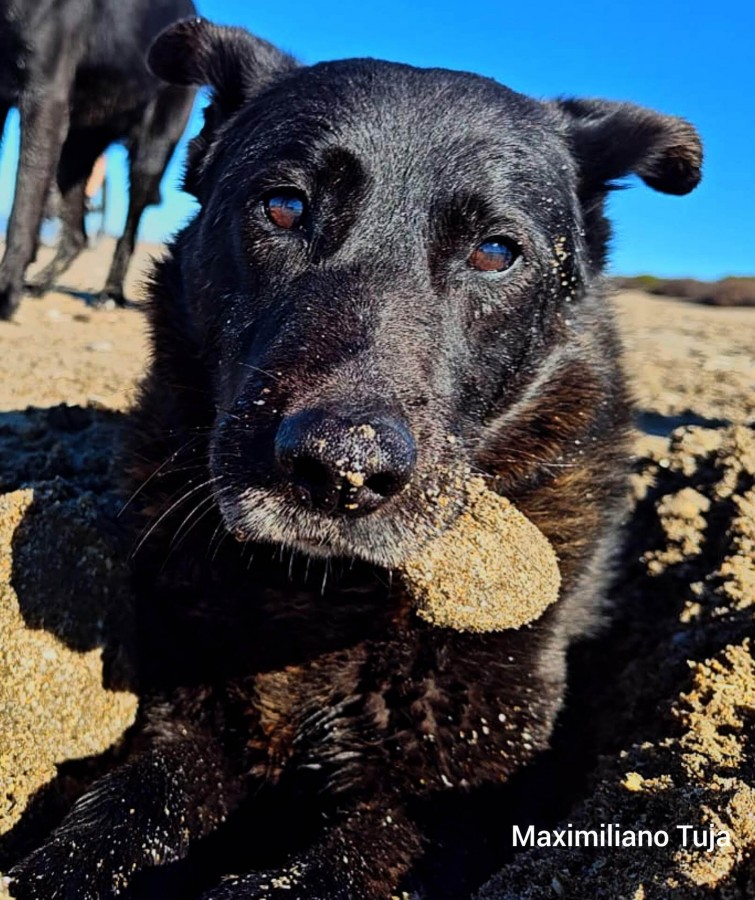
x=77, y=72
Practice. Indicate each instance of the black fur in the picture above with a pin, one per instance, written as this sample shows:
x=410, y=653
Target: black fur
x=76, y=70
x=288, y=687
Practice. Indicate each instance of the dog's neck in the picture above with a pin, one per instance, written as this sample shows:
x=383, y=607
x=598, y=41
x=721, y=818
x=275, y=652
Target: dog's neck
x=242, y=608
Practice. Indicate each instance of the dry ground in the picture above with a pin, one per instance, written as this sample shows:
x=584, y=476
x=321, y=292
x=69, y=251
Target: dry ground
x=61, y=350
x=685, y=360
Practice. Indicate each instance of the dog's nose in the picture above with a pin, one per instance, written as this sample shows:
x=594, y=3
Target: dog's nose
x=345, y=465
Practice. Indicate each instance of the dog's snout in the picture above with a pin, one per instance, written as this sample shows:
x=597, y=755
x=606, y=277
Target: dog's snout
x=345, y=465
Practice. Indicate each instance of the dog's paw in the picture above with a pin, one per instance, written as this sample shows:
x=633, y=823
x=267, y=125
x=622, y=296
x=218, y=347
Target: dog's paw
x=55, y=872
x=111, y=298
x=10, y=297
x=297, y=881
x=37, y=288
x=68, y=869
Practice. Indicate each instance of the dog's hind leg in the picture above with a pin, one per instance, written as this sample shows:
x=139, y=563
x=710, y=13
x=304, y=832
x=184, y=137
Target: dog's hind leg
x=80, y=151
x=151, y=149
x=44, y=122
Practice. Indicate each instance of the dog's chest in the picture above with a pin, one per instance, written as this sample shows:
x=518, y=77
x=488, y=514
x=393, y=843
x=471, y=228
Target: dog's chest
x=326, y=687
x=436, y=719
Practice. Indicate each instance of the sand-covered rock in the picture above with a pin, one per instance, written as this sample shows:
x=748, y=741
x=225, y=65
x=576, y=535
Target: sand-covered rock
x=491, y=571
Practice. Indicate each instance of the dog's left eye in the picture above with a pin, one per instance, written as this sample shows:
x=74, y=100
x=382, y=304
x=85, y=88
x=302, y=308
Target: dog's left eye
x=494, y=255
x=285, y=209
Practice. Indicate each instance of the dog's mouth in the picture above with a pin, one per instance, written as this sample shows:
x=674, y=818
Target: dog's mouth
x=386, y=537
x=343, y=481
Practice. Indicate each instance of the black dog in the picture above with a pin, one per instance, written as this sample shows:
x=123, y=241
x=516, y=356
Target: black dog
x=76, y=70
x=395, y=272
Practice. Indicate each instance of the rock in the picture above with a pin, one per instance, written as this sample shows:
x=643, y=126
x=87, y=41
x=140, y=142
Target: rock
x=100, y=346
x=491, y=571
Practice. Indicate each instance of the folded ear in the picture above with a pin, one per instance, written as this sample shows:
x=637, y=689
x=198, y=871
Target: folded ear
x=234, y=63
x=611, y=140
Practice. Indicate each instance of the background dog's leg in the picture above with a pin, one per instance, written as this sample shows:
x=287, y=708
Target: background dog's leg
x=77, y=158
x=4, y=110
x=365, y=857
x=44, y=121
x=144, y=814
x=151, y=149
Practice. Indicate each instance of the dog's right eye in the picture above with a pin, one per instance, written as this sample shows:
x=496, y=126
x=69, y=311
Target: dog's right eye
x=285, y=209
x=494, y=255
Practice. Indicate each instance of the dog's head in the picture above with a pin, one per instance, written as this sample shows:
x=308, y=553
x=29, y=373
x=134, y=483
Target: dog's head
x=388, y=262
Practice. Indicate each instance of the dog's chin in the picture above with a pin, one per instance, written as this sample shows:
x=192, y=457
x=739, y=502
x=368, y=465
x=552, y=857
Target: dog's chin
x=259, y=515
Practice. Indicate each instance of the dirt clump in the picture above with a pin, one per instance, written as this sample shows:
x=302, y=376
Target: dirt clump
x=492, y=570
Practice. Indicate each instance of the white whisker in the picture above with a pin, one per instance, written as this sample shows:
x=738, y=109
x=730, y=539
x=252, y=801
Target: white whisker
x=182, y=499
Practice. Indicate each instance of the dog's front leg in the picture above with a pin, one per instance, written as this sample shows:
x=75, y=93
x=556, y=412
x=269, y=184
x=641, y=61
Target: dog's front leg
x=44, y=110
x=143, y=814
x=362, y=858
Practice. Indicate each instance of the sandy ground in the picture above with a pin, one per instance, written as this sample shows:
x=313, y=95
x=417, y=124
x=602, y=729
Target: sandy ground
x=688, y=362
x=61, y=350
x=666, y=695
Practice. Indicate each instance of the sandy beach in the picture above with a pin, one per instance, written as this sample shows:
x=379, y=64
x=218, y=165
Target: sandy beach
x=668, y=689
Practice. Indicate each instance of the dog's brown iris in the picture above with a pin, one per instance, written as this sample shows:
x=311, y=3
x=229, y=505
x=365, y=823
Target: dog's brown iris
x=494, y=255
x=285, y=210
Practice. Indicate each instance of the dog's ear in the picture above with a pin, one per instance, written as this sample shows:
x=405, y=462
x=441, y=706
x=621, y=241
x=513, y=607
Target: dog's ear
x=611, y=140
x=231, y=61
x=235, y=64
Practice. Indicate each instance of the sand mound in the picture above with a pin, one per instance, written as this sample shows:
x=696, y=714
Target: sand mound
x=675, y=709
x=64, y=603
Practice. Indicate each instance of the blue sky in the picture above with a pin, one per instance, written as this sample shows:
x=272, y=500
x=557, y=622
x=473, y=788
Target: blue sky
x=688, y=58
